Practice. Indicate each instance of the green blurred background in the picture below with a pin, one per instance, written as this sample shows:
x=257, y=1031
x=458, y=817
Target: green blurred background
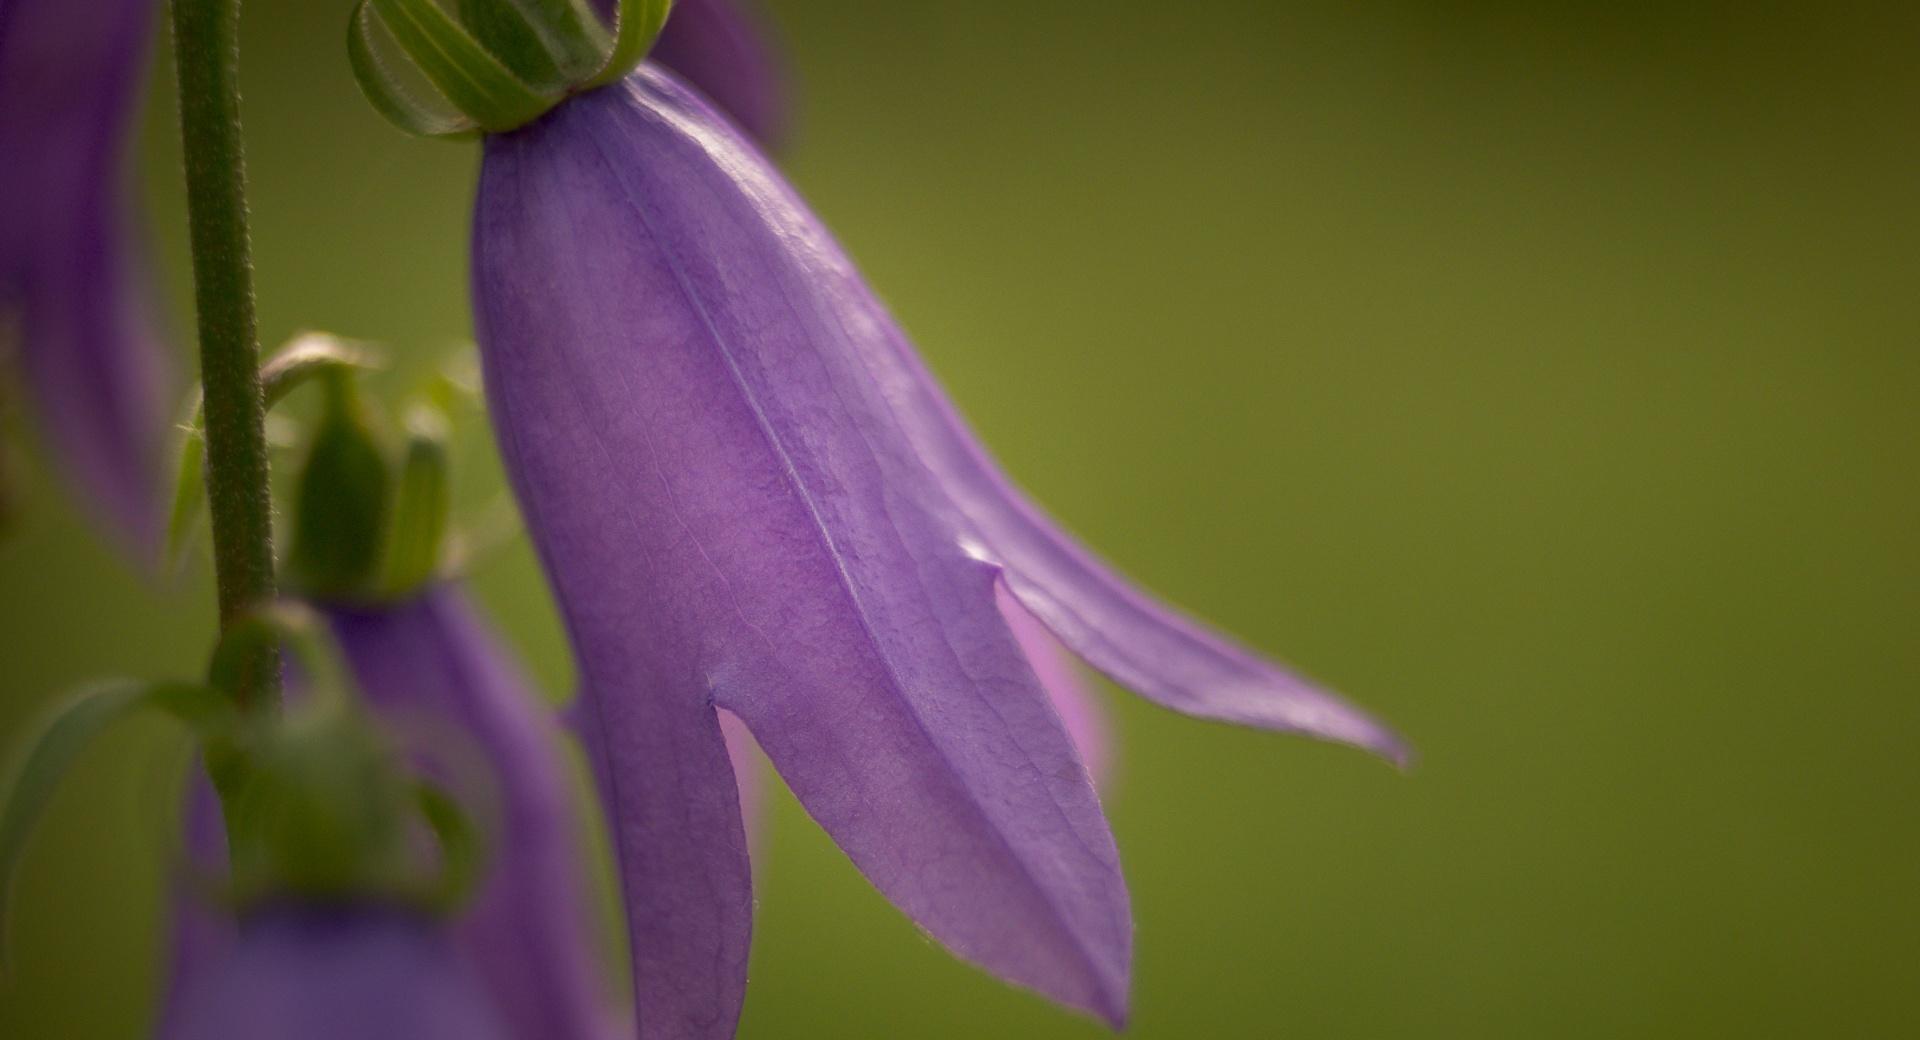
x=1545, y=377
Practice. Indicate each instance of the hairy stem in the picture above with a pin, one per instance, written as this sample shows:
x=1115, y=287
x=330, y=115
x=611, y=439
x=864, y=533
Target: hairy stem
x=207, y=61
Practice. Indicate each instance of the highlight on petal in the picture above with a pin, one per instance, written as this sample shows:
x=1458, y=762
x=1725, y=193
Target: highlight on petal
x=71, y=284
x=431, y=660
x=1073, y=699
x=324, y=973
x=731, y=517
x=723, y=48
x=745, y=758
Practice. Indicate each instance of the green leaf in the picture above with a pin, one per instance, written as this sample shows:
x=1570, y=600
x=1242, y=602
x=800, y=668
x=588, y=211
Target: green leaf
x=71, y=728
x=469, y=77
x=189, y=489
x=305, y=356
x=638, y=25
x=421, y=505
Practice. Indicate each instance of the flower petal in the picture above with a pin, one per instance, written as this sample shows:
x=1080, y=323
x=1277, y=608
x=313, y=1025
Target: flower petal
x=312, y=973
x=95, y=371
x=1083, y=716
x=745, y=757
x=526, y=933
x=730, y=517
x=199, y=936
x=722, y=49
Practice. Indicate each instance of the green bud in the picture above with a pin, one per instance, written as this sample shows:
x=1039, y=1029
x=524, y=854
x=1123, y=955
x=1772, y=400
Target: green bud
x=421, y=505
x=341, y=501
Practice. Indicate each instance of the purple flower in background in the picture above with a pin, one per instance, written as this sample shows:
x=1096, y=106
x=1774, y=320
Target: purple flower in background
x=331, y=972
x=430, y=658
x=720, y=47
x=71, y=285
x=749, y=495
x=428, y=664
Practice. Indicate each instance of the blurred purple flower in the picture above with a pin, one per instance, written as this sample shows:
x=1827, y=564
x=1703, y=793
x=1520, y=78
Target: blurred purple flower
x=749, y=495
x=431, y=658
x=430, y=665
x=70, y=276
x=326, y=973
x=721, y=47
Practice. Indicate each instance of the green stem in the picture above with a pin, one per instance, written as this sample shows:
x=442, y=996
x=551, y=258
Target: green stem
x=207, y=62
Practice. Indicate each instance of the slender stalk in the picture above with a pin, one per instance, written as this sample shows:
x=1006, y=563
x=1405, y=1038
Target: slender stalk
x=206, y=52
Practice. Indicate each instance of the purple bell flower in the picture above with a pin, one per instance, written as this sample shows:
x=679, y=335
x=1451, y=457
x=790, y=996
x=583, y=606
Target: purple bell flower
x=430, y=665
x=749, y=495
x=326, y=972
x=72, y=288
x=431, y=659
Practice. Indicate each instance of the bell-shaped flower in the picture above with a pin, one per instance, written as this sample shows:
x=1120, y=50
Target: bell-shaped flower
x=750, y=496
x=430, y=666
x=430, y=660
x=74, y=308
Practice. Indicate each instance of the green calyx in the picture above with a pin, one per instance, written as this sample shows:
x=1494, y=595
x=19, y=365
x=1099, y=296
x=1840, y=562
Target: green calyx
x=371, y=511
x=496, y=64
x=320, y=803
x=372, y=501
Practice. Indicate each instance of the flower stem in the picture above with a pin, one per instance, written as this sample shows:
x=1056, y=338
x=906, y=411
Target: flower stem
x=207, y=62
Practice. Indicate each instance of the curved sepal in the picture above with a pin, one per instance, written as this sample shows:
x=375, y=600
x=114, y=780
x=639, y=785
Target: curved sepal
x=421, y=504
x=469, y=76
x=637, y=24
x=387, y=95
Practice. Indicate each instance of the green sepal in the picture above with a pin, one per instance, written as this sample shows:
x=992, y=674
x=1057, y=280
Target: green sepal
x=383, y=89
x=422, y=501
x=320, y=810
x=304, y=357
x=518, y=34
x=463, y=848
x=341, y=500
x=574, y=34
x=294, y=626
x=637, y=25
x=473, y=80
x=72, y=726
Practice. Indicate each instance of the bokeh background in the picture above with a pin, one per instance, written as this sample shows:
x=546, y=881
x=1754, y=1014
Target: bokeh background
x=1544, y=376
